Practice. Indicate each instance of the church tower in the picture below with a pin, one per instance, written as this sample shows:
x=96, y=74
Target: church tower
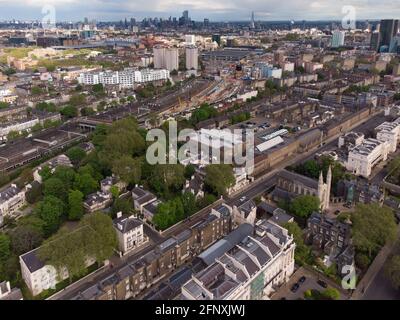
x=321, y=191
x=328, y=187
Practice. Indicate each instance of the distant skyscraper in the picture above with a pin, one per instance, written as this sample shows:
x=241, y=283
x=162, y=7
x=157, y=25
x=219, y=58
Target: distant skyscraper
x=216, y=38
x=206, y=22
x=192, y=58
x=388, y=29
x=375, y=40
x=337, y=38
x=252, y=24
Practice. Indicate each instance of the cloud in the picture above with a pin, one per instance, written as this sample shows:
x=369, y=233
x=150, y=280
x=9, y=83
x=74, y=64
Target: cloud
x=224, y=10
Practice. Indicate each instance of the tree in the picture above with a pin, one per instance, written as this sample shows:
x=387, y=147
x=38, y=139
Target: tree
x=77, y=100
x=169, y=213
x=330, y=294
x=64, y=174
x=69, y=111
x=32, y=221
x=302, y=254
x=5, y=249
x=372, y=227
x=392, y=271
x=128, y=169
x=190, y=169
x=121, y=205
x=4, y=105
x=94, y=238
x=55, y=187
x=166, y=179
x=50, y=210
x=219, y=177
x=304, y=206
x=76, y=154
x=45, y=173
x=85, y=183
x=75, y=203
x=25, y=238
x=34, y=193
x=104, y=236
x=25, y=177
x=189, y=203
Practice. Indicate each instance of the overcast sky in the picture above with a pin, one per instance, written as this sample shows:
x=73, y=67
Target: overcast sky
x=215, y=10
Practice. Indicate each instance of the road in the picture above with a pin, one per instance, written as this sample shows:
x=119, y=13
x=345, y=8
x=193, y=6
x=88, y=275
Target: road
x=380, y=288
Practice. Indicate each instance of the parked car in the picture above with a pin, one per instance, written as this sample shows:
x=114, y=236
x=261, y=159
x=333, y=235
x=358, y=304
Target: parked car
x=295, y=287
x=322, y=283
x=302, y=279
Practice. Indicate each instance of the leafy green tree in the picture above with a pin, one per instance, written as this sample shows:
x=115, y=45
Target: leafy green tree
x=122, y=205
x=55, y=187
x=302, y=254
x=69, y=111
x=45, y=173
x=169, y=213
x=50, y=210
x=372, y=227
x=330, y=294
x=66, y=175
x=46, y=106
x=4, y=105
x=114, y=191
x=166, y=179
x=104, y=236
x=75, y=203
x=304, y=206
x=77, y=100
x=25, y=238
x=190, y=169
x=128, y=169
x=32, y=221
x=95, y=238
x=206, y=200
x=392, y=271
x=34, y=194
x=219, y=177
x=76, y=154
x=85, y=183
x=189, y=203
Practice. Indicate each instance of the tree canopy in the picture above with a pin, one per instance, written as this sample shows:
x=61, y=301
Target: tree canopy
x=304, y=206
x=219, y=177
x=95, y=238
x=373, y=227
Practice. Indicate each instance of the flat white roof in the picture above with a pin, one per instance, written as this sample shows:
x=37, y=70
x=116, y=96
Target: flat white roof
x=269, y=144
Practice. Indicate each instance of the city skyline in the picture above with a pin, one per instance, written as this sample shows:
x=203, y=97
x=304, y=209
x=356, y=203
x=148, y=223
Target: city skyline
x=222, y=10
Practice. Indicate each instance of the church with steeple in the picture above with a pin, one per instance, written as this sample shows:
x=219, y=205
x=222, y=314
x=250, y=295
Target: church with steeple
x=324, y=189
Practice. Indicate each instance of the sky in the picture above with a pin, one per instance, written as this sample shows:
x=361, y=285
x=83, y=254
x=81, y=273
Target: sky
x=215, y=10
